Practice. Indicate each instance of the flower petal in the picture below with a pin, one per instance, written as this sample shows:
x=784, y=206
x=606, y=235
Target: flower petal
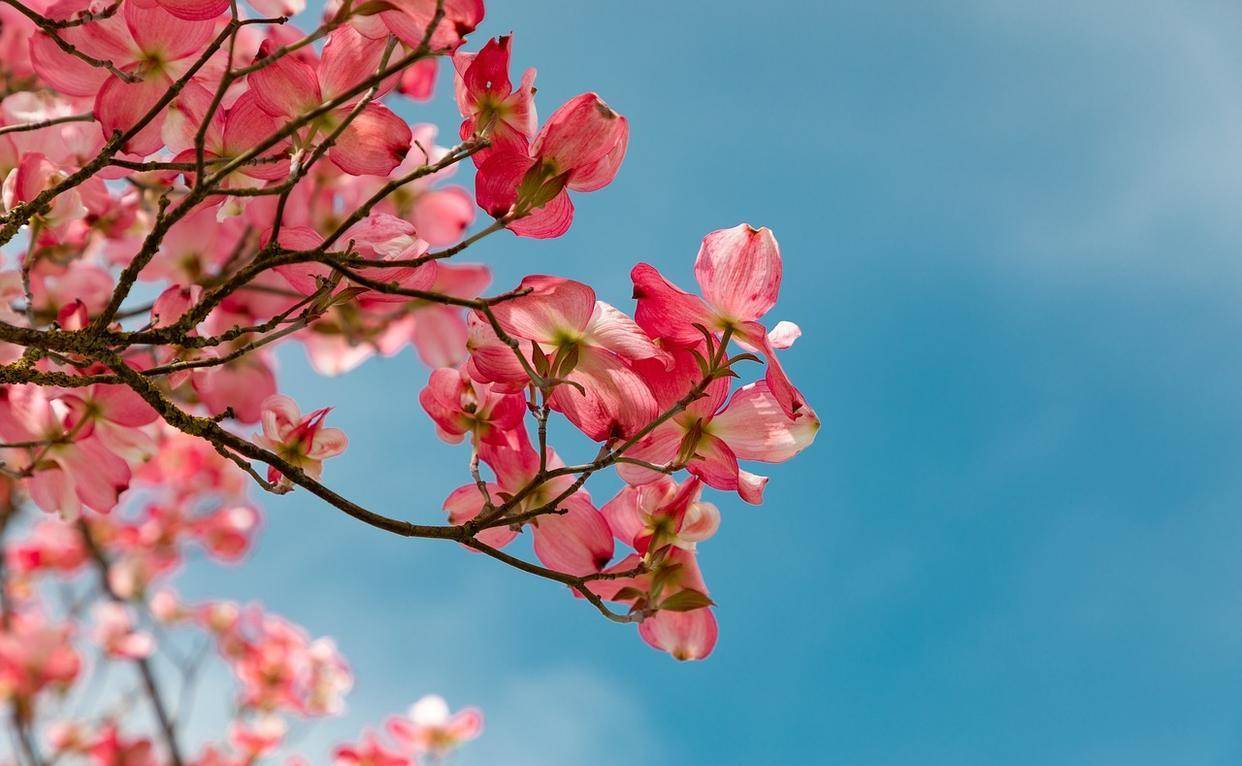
x=739, y=270
x=373, y=144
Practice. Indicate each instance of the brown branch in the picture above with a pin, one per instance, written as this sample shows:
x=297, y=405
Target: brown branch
x=27, y=126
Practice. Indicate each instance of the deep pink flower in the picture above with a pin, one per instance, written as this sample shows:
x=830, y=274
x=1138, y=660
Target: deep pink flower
x=35, y=654
x=579, y=148
x=577, y=541
x=711, y=434
x=489, y=105
x=739, y=272
x=461, y=406
x=304, y=442
x=589, y=343
x=650, y=517
x=680, y=619
x=369, y=752
x=144, y=41
x=409, y=20
x=376, y=141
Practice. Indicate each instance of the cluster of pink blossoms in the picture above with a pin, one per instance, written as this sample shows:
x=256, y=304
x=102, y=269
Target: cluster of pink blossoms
x=81, y=598
x=190, y=184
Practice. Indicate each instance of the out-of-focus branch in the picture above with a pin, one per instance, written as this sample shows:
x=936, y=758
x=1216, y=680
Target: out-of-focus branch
x=149, y=682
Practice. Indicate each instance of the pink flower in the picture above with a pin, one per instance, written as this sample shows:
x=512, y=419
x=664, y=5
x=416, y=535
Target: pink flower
x=109, y=749
x=114, y=632
x=673, y=595
x=304, y=442
x=576, y=541
x=52, y=545
x=580, y=147
x=242, y=384
x=34, y=175
x=376, y=141
x=588, y=343
x=491, y=108
x=73, y=469
x=431, y=728
x=350, y=334
x=231, y=132
x=439, y=214
x=410, y=18
x=228, y=532
x=653, y=516
x=739, y=272
x=34, y=655
x=461, y=406
x=144, y=41
x=257, y=737
x=369, y=752
x=711, y=434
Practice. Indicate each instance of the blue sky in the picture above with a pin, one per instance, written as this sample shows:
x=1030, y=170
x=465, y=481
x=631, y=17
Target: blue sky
x=1011, y=239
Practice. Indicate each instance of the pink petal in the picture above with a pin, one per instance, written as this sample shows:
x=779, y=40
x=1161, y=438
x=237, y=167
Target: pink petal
x=685, y=635
x=552, y=310
x=739, y=270
x=123, y=406
x=328, y=442
x=624, y=516
x=578, y=542
x=418, y=81
x=99, y=476
x=156, y=30
x=348, y=59
x=546, y=222
x=246, y=124
x=462, y=280
x=464, y=503
x=717, y=466
x=440, y=336
x=120, y=105
x=487, y=72
x=442, y=215
x=411, y=18
x=666, y=311
x=496, y=182
x=789, y=398
x=373, y=144
x=466, y=724
x=579, y=135
x=52, y=490
x=784, y=334
x=756, y=427
x=490, y=360
x=601, y=172
x=242, y=385
x=285, y=88
x=750, y=487
x=658, y=448
x=67, y=74
x=611, y=329
x=195, y=10
x=616, y=400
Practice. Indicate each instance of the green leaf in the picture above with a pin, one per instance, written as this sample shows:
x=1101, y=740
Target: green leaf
x=746, y=357
x=686, y=601
x=540, y=360
x=702, y=362
x=628, y=593
x=372, y=7
x=566, y=361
